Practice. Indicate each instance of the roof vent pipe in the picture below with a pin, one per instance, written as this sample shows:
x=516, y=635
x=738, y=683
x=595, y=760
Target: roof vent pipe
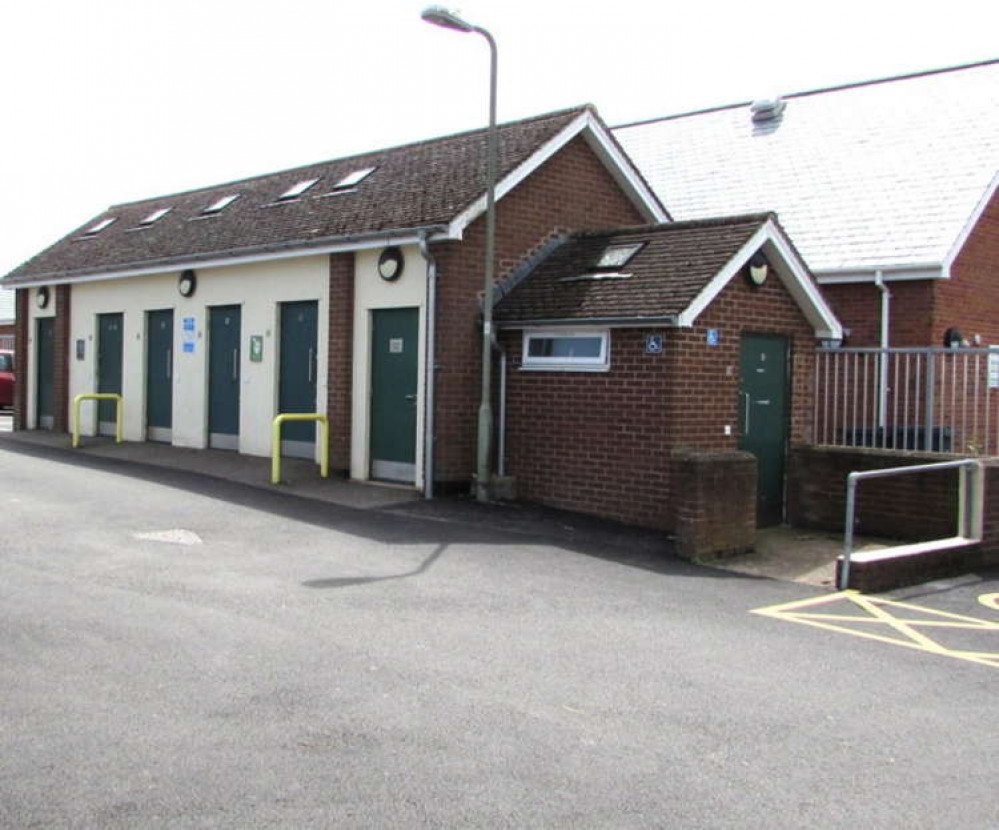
x=767, y=109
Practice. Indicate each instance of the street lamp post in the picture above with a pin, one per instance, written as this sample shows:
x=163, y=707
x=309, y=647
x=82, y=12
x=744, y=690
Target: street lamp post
x=448, y=20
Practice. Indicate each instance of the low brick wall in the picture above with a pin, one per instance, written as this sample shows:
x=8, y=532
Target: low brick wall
x=715, y=503
x=907, y=507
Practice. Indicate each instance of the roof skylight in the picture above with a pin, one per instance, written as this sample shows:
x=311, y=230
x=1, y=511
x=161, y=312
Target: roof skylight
x=354, y=178
x=104, y=223
x=297, y=190
x=617, y=256
x=220, y=204
x=155, y=216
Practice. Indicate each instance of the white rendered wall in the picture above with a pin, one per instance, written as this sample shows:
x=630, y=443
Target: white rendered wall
x=257, y=288
x=371, y=292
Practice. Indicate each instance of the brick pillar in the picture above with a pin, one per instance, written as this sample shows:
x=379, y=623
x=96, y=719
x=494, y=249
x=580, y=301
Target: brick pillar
x=60, y=359
x=715, y=503
x=340, y=359
x=21, y=346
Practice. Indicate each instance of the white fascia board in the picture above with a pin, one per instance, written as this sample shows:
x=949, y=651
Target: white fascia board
x=791, y=271
x=889, y=273
x=969, y=226
x=224, y=262
x=623, y=171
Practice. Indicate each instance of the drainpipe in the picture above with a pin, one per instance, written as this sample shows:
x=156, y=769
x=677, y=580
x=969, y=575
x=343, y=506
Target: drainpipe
x=885, y=322
x=501, y=440
x=431, y=372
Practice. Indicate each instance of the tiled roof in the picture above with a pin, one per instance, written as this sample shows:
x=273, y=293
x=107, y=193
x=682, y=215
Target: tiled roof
x=413, y=186
x=674, y=264
x=883, y=174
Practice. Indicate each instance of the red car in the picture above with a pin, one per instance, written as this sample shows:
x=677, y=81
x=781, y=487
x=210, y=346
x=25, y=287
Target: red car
x=6, y=379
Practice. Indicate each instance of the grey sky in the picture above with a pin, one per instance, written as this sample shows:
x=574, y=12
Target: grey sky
x=112, y=101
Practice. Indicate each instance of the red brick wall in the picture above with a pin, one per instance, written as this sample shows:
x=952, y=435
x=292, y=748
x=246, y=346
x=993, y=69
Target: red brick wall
x=60, y=358
x=340, y=359
x=601, y=443
x=571, y=191
x=9, y=329
x=858, y=306
x=970, y=298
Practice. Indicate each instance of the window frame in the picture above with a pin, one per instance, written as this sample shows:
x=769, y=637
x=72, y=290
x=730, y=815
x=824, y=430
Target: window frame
x=599, y=363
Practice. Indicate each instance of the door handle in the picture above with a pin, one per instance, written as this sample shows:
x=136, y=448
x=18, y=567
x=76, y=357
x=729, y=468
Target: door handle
x=311, y=358
x=411, y=397
x=745, y=426
x=169, y=363
x=235, y=364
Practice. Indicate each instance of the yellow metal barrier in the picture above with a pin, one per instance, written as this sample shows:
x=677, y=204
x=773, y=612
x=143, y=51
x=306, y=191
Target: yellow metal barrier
x=100, y=396
x=324, y=441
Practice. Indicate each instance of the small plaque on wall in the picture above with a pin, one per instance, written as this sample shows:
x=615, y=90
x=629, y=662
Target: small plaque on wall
x=256, y=347
x=81, y=349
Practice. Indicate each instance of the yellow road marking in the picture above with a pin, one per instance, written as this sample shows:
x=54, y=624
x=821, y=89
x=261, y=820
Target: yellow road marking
x=881, y=612
x=990, y=601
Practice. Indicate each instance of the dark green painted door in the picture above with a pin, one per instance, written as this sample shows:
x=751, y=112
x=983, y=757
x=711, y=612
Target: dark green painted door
x=297, y=375
x=110, y=333
x=159, y=375
x=45, y=375
x=763, y=411
x=394, y=370
x=223, y=376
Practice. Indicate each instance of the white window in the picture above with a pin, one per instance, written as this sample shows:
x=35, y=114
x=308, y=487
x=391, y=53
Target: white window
x=220, y=204
x=354, y=178
x=585, y=350
x=104, y=223
x=297, y=190
x=155, y=216
x=617, y=256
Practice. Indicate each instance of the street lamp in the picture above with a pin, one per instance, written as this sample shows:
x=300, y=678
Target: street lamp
x=449, y=20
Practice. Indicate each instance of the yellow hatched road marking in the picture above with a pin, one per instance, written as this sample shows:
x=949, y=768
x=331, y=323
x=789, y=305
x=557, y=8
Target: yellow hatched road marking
x=880, y=612
x=990, y=601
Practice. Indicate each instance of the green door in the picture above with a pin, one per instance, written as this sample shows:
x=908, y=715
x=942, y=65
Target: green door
x=45, y=375
x=159, y=375
x=297, y=378
x=763, y=414
x=394, y=369
x=109, y=353
x=223, y=377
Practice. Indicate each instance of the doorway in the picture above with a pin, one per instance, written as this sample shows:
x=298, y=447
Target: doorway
x=223, y=376
x=45, y=374
x=394, y=374
x=159, y=375
x=110, y=335
x=763, y=400
x=297, y=376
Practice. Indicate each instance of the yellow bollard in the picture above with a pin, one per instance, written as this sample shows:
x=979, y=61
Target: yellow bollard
x=119, y=430
x=324, y=441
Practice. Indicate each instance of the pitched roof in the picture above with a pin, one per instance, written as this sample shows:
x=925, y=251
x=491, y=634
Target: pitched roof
x=412, y=187
x=675, y=273
x=884, y=174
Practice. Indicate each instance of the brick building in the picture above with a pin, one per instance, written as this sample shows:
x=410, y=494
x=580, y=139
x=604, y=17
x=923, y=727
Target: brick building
x=349, y=288
x=888, y=188
x=629, y=347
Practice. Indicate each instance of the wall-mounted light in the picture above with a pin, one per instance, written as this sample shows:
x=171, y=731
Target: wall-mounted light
x=42, y=297
x=187, y=283
x=390, y=264
x=759, y=268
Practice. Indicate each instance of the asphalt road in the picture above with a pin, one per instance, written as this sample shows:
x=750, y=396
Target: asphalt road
x=185, y=654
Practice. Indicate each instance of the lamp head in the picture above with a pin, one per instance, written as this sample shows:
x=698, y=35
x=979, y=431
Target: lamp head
x=446, y=19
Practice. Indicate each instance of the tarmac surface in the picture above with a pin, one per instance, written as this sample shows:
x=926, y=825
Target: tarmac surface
x=783, y=553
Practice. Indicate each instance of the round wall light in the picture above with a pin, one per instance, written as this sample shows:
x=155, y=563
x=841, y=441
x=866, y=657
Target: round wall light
x=390, y=264
x=187, y=283
x=42, y=297
x=759, y=268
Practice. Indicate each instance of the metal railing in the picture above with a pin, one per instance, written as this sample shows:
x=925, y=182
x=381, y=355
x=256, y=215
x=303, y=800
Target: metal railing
x=99, y=396
x=969, y=512
x=934, y=400
x=6, y=342
x=324, y=441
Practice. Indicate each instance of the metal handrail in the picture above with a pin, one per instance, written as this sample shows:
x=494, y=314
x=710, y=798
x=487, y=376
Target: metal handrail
x=99, y=396
x=324, y=439
x=970, y=501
